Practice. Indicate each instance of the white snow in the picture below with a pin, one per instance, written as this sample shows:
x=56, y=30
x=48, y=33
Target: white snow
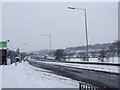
x=0, y=77
x=26, y=76
x=8, y=61
x=110, y=60
x=107, y=68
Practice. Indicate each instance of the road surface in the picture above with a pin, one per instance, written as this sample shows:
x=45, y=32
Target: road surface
x=96, y=78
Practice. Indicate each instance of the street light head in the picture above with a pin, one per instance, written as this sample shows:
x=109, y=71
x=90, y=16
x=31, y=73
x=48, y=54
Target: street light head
x=42, y=34
x=45, y=34
x=71, y=8
x=76, y=8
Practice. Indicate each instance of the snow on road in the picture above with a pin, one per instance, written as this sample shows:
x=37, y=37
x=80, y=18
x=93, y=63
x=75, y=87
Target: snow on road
x=106, y=68
x=106, y=60
x=27, y=76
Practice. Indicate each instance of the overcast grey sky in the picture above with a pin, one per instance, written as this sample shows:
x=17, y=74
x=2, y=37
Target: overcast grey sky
x=25, y=22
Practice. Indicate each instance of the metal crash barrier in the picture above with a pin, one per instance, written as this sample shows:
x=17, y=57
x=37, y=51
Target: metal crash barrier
x=85, y=86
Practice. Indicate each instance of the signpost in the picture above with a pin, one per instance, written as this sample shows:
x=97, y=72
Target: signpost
x=3, y=52
x=3, y=44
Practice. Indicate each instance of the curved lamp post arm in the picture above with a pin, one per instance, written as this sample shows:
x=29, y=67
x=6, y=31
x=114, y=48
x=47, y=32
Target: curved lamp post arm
x=85, y=11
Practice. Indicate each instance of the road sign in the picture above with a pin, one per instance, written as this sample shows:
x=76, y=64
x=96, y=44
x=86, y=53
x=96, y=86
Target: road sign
x=3, y=44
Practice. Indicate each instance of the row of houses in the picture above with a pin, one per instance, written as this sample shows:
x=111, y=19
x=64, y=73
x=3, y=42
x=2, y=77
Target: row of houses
x=6, y=54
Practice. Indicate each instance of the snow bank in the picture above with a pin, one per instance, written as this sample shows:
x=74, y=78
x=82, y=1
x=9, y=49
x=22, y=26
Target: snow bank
x=107, y=68
x=110, y=60
x=0, y=77
x=26, y=76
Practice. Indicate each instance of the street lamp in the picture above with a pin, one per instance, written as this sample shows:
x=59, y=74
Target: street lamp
x=23, y=46
x=49, y=39
x=7, y=41
x=85, y=28
x=23, y=51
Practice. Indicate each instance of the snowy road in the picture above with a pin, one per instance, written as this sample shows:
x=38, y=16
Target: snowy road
x=94, y=77
x=105, y=68
x=27, y=76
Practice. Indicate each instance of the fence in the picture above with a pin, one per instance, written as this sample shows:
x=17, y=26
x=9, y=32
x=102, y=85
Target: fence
x=84, y=86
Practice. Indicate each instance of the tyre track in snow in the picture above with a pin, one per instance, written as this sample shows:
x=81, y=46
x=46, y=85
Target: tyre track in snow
x=99, y=79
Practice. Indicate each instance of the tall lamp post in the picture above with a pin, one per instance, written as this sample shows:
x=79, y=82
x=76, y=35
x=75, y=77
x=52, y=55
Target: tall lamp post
x=49, y=39
x=85, y=28
x=7, y=41
x=23, y=46
x=23, y=50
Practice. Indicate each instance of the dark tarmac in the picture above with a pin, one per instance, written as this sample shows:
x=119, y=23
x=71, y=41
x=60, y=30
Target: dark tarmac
x=99, y=79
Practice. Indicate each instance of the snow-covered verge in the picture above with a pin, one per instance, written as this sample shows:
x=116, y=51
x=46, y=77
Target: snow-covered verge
x=26, y=76
x=106, y=60
x=0, y=77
